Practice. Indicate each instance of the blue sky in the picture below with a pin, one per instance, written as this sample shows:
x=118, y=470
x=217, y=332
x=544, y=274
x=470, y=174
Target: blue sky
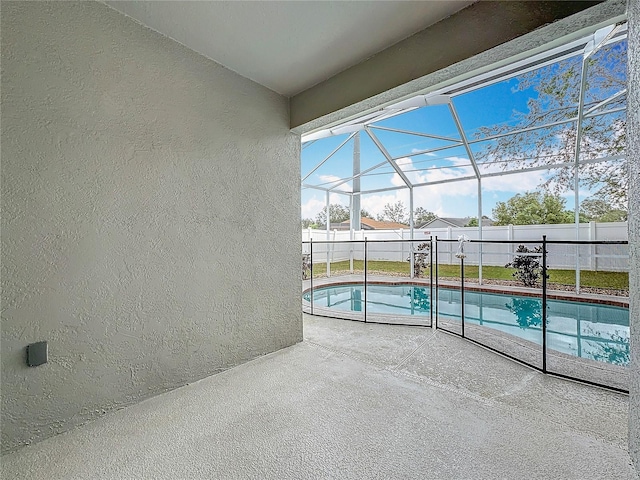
x=492, y=105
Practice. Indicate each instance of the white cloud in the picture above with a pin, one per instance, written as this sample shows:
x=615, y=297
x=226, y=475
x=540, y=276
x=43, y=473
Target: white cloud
x=571, y=194
x=460, y=168
x=334, y=179
x=516, y=182
x=444, y=199
x=314, y=205
x=427, y=154
x=374, y=204
x=433, y=197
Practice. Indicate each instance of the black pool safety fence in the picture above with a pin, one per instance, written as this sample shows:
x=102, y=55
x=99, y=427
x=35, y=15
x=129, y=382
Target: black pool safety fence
x=493, y=293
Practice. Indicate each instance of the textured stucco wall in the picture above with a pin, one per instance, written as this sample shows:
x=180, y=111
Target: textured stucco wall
x=142, y=189
x=633, y=158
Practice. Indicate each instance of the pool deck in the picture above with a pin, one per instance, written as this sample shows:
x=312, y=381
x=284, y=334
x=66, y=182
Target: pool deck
x=525, y=351
x=353, y=401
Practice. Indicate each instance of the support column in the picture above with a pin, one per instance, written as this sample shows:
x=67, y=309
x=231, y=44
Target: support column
x=633, y=160
x=411, y=255
x=593, y=250
x=355, y=198
x=576, y=172
x=356, y=205
x=480, y=230
x=328, y=222
x=599, y=38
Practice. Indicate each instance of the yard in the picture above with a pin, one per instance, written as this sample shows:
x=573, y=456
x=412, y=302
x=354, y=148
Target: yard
x=588, y=278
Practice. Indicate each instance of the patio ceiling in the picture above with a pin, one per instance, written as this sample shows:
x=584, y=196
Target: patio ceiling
x=288, y=46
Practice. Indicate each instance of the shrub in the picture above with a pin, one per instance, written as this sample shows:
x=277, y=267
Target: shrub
x=528, y=268
x=421, y=259
x=306, y=265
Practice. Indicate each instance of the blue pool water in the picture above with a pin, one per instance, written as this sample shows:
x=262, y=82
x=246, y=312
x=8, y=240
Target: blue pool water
x=598, y=332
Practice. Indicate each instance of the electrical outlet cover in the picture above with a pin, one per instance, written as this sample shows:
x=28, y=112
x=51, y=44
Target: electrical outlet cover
x=37, y=354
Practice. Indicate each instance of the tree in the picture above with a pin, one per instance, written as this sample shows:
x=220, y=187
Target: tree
x=394, y=213
x=532, y=208
x=337, y=214
x=307, y=223
x=597, y=210
x=555, y=98
x=473, y=221
x=422, y=216
x=365, y=214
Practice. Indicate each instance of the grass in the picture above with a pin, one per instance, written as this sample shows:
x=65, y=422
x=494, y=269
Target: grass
x=588, y=278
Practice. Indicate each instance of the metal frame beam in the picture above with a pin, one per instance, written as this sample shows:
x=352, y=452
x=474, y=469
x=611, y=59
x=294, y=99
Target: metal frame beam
x=463, y=137
x=474, y=164
x=535, y=62
x=553, y=166
x=606, y=101
x=417, y=134
x=329, y=156
x=380, y=190
x=388, y=157
x=345, y=180
x=483, y=175
x=314, y=187
x=430, y=150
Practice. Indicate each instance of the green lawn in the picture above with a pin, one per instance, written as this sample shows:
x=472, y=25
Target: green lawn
x=614, y=280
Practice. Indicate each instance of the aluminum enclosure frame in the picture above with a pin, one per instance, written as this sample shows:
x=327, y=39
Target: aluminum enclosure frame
x=584, y=47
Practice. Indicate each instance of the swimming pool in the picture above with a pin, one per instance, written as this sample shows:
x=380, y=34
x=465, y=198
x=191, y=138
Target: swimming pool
x=586, y=330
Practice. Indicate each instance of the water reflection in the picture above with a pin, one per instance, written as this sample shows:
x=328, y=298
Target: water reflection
x=612, y=348
x=419, y=299
x=528, y=311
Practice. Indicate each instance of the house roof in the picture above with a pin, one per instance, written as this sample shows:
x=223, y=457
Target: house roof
x=379, y=225
x=458, y=222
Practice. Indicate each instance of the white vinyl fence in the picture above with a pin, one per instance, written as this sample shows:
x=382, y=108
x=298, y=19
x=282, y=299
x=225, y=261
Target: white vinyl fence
x=590, y=257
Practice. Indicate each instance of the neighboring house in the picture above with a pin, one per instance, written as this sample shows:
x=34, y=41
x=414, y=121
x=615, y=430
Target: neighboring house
x=370, y=224
x=444, y=222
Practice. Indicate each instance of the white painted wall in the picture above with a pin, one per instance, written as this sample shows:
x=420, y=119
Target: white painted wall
x=142, y=189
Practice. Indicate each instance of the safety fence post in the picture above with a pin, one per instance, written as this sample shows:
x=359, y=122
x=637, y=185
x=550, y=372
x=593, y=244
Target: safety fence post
x=544, y=303
x=431, y=279
x=311, y=272
x=365, y=279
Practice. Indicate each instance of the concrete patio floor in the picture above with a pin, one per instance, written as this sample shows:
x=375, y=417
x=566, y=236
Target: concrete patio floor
x=353, y=401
